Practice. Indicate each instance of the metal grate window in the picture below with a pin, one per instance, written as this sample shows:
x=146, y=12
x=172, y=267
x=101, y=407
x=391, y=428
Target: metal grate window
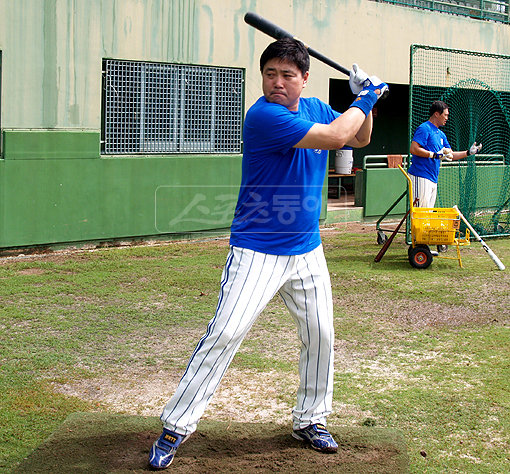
x=170, y=108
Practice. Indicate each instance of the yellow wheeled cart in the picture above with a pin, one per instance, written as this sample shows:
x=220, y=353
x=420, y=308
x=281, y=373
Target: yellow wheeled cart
x=432, y=226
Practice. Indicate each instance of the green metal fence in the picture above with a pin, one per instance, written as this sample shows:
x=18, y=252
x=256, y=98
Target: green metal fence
x=494, y=10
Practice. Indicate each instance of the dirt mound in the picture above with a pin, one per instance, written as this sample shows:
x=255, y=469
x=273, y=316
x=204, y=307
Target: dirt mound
x=100, y=442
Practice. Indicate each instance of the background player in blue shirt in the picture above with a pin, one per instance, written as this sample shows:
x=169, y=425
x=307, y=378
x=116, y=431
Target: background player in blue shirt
x=275, y=245
x=428, y=147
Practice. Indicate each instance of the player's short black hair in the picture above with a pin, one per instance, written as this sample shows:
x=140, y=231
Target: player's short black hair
x=437, y=106
x=287, y=49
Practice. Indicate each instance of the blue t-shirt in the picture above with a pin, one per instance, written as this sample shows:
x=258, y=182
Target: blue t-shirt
x=279, y=202
x=432, y=139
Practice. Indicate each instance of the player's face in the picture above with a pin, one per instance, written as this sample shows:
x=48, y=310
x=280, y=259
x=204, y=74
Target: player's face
x=443, y=117
x=282, y=83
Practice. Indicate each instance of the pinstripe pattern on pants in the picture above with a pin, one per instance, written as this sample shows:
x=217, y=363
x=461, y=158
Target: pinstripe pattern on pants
x=425, y=190
x=249, y=281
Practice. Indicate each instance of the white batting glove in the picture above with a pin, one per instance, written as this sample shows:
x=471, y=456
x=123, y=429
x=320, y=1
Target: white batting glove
x=447, y=154
x=474, y=149
x=357, y=77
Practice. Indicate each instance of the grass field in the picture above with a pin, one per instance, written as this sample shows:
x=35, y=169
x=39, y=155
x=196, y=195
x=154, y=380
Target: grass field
x=422, y=351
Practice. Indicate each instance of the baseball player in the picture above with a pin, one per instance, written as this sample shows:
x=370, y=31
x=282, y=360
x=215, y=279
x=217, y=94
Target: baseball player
x=428, y=147
x=275, y=245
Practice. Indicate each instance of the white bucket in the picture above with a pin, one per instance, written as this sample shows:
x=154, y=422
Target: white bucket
x=343, y=161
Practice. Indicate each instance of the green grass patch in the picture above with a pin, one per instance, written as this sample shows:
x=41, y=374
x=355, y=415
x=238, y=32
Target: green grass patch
x=422, y=351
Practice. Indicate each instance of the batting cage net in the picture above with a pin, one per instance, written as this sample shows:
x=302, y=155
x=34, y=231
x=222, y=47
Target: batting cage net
x=476, y=87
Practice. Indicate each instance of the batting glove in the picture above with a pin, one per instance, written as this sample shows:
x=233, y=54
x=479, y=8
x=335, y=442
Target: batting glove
x=474, y=149
x=373, y=89
x=356, y=79
x=447, y=154
x=374, y=84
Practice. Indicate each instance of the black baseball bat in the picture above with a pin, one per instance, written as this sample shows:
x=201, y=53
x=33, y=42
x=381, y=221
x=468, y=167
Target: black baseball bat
x=276, y=32
x=386, y=245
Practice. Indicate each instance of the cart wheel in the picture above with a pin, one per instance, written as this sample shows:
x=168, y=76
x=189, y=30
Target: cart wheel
x=382, y=238
x=442, y=248
x=420, y=256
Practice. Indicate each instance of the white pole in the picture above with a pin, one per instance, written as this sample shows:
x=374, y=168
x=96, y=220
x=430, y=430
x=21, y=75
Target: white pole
x=492, y=255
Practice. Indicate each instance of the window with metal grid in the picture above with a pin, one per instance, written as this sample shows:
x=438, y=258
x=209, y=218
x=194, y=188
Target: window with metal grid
x=171, y=108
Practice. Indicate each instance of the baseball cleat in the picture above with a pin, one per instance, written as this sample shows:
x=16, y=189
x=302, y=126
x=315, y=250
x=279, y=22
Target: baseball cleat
x=318, y=437
x=163, y=450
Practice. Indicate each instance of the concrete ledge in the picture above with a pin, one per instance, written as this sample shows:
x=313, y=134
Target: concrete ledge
x=100, y=442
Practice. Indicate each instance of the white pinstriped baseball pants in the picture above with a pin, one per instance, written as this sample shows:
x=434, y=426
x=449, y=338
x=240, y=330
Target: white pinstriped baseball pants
x=425, y=190
x=249, y=281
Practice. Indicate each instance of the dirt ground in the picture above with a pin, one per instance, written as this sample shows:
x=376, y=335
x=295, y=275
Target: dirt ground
x=142, y=391
x=86, y=441
x=259, y=439
x=242, y=429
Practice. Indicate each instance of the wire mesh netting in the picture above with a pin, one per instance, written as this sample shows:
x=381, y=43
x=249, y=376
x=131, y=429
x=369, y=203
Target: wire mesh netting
x=476, y=88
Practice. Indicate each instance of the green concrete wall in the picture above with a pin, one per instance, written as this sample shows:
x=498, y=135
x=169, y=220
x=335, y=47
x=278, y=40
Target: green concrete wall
x=63, y=191
x=56, y=188
x=382, y=187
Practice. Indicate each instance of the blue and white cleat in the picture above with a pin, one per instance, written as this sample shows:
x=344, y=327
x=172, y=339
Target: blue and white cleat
x=164, y=448
x=318, y=437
